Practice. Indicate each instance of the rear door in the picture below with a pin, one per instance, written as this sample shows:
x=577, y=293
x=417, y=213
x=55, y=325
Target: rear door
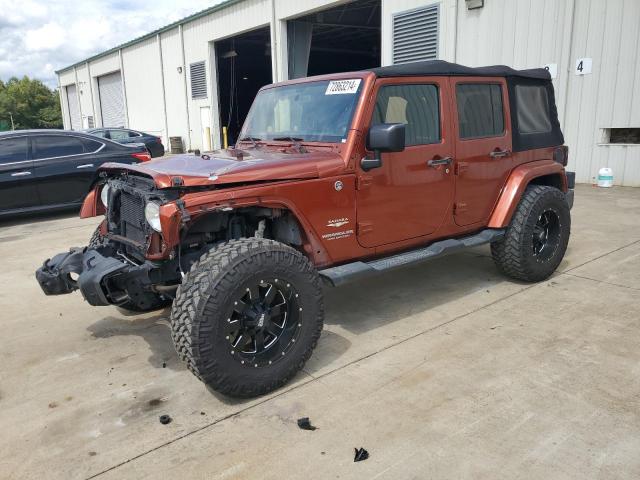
x=65, y=167
x=410, y=195
x=483, y=146
x=17, y=175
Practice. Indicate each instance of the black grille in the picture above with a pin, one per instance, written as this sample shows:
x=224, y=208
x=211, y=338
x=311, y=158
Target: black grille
x=132, y=222
x=127, y=214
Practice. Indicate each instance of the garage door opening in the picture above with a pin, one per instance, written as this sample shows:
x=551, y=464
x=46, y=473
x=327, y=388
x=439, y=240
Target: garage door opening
x=338, y=39
x=111, y=100
x=244, y=65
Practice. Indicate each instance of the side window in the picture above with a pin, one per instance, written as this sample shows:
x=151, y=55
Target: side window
x=532, y=105
x=480, y=112
x=416, y=106
x=100, y=133
x=48, y=146
x=118, y=135
x=91, y=146
x=13, y=150
x=134, y=134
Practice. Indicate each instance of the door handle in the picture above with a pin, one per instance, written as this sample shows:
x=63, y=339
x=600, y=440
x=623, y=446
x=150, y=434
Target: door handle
x=86, y=165
x=500, y=153
x=434, y=162
x=20, y=174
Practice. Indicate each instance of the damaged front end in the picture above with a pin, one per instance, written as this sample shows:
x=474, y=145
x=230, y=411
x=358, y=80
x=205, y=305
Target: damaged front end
x=103, y=275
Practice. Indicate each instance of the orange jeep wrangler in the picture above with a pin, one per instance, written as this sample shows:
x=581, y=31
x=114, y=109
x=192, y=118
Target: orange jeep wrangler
x=333, y=178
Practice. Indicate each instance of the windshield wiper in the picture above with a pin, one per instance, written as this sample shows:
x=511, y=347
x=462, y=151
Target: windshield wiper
x=295, y=141
x=251, y=139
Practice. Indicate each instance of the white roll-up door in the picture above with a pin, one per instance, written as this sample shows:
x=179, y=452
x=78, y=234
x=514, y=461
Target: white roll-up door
x=74, y=107
x=111, y=102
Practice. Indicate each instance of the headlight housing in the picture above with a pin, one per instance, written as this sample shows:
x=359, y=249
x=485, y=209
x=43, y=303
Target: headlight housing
x=104, y=195
x=152, y=214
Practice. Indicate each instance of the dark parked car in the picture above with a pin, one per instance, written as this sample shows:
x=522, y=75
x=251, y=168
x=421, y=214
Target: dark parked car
x=54, y=169
x=125, y=135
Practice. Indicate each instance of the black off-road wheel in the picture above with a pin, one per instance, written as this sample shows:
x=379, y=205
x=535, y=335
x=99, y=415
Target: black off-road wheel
x=536, y=239
x=247, y=316
x=143, y=301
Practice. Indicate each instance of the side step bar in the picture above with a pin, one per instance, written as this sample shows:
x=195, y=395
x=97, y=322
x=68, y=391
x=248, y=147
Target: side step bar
x=354, y=271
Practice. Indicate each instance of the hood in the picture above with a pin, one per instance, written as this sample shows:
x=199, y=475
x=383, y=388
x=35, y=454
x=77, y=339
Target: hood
x=237, y=166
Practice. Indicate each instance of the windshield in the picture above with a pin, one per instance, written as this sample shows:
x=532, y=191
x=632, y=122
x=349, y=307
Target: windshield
x=305, y=112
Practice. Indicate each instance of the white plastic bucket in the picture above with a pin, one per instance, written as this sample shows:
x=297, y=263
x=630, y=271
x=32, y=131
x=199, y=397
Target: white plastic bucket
x=605, y=177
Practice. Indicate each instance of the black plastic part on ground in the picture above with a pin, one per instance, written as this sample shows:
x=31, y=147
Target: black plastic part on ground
x=305, y=424
x=361, y=454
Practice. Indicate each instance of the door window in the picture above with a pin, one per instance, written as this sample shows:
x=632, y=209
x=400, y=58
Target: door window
x=13, y=150
x=91, y=146
x=480, y=112
x=100, y=133
x=417, y=106
x=48, y=146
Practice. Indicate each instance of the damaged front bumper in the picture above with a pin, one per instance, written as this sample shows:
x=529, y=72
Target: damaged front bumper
x=102, y=277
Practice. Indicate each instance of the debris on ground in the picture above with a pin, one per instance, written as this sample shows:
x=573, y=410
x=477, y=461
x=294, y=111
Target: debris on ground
x=164, y=364
x=361, y=454
x=165, y=419
x=305, y=424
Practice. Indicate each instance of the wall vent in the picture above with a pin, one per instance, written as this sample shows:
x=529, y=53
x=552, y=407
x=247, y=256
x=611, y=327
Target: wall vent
x=621, y=136
x=198, y=77
x=415, y=35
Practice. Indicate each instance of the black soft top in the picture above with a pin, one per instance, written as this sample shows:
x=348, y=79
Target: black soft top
x=440, y=67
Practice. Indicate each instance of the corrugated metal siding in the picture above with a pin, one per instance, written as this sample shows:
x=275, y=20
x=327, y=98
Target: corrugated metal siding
x=174, y=86
x=143, y=84
x=415, y=35
x=532, y=33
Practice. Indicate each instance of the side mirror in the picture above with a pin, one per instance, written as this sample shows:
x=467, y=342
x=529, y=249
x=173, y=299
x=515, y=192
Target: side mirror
x=386, y=137
x=382, y=138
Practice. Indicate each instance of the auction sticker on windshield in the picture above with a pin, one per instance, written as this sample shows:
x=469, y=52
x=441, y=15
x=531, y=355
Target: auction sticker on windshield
x=341, y=87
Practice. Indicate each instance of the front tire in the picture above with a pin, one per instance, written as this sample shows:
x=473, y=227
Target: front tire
x=536, y=239
x=247, y=316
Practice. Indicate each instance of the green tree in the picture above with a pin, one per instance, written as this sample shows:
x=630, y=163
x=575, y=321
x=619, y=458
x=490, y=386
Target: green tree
x=31, y=104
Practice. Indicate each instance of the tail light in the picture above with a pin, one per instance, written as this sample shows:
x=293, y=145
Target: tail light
x=561, y=155
x=141, y=157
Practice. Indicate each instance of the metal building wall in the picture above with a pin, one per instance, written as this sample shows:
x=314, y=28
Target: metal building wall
x=519, y=33
x=532, y=33
x=143, y=87
x=174, y=86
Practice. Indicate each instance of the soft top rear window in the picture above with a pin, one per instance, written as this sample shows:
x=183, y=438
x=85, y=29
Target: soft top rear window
x=532, y=104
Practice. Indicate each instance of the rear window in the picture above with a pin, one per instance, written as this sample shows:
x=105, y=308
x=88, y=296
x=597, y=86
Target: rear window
x=532, y=105
x=480, y=112
x=13, y=150
x=48, y=146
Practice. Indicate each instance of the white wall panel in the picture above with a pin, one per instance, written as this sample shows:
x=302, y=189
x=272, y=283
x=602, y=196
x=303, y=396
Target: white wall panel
x=143, y=85
x=174, y=86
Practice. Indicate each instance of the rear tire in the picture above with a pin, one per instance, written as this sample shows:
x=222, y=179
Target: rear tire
x=536, y=239
x=247, y=316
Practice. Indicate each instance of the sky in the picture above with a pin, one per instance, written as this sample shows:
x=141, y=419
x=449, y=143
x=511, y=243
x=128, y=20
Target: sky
x=39, y=37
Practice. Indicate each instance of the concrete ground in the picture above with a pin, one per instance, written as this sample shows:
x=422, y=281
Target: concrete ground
x=446, y=370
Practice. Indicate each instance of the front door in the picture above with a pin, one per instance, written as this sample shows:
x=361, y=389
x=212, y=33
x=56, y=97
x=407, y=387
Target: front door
x=17, y=175
x=410, y=195
x=483, y=147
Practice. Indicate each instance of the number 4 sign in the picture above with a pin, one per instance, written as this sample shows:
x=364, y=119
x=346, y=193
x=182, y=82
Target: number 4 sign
x=583, y=66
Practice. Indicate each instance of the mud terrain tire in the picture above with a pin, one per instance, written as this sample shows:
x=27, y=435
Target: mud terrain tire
x=536, y=239
x=221, y=300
